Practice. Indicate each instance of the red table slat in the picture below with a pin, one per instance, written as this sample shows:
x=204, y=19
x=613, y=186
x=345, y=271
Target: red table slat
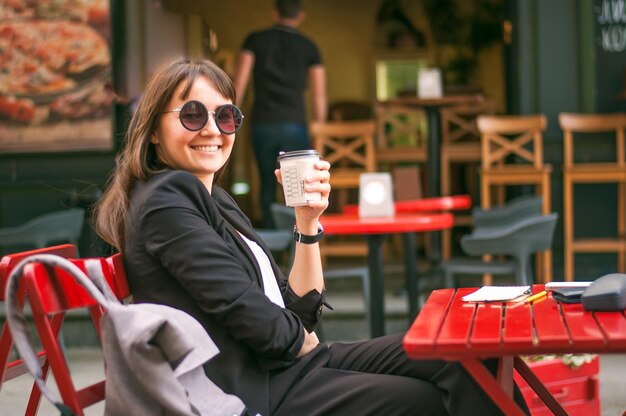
x=401, y=223
x=583, y=329
x=420, y=338
x=551, y=331
x=440, y=203
x=518, y=324
x=487, y=331
x=455, y=331
x=614, y=327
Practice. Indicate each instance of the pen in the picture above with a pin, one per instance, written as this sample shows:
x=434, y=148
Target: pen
x=536, y=296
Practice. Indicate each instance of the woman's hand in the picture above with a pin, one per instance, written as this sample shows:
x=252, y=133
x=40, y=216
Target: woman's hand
x=310, y=342
x=317, y=181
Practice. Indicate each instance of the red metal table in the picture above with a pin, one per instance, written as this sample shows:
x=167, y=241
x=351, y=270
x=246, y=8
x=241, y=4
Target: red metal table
x=375, y=230
x=448, y=328
x=436, y=204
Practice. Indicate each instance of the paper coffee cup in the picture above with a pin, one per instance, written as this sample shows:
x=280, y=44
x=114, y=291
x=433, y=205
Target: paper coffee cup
x=294, y=167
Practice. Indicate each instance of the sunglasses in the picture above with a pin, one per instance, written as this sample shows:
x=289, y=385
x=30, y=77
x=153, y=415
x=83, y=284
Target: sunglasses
x=194, y=116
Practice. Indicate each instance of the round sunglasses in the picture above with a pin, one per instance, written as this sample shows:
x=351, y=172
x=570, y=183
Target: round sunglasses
x=194, y=115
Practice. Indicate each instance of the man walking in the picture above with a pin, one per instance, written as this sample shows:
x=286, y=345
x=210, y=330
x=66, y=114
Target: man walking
x=284, y=63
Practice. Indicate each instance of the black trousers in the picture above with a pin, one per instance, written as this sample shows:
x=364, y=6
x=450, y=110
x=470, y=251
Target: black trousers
x=375, y=377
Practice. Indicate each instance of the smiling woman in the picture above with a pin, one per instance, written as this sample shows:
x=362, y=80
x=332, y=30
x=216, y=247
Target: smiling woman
x=186, y=244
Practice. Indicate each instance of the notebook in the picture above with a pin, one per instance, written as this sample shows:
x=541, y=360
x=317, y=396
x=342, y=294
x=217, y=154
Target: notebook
x=498, y=294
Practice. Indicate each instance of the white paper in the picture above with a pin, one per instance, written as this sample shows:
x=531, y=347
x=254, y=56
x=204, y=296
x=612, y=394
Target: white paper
x=566, y=285
x=497, y=294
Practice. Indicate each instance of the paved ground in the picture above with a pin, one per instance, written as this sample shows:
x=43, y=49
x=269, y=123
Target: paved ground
x=86, y=367
x=346, y=323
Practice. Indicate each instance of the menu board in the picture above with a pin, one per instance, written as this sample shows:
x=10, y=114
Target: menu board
x=610, y=51
x=55, y=76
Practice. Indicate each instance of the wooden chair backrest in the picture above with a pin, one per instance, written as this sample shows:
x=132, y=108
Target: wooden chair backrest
x=504, y=136
x=572, y=123
x=398, y=125
x=348, y=146
x=458, y=123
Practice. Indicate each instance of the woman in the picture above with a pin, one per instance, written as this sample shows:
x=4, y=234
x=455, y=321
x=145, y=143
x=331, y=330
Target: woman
x=186, y=244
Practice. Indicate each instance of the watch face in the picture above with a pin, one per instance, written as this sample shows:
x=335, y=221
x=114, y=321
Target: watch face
x=374, y=193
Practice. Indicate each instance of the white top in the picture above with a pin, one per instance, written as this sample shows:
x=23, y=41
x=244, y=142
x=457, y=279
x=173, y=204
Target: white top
x=270, y=285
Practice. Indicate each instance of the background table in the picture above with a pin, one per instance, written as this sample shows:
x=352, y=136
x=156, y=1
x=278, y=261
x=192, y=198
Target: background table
x=375, y=230
x=448, y=328
x=436, y=204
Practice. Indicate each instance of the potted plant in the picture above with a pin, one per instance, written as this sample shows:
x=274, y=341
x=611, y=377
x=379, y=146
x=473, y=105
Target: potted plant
x=462, y=31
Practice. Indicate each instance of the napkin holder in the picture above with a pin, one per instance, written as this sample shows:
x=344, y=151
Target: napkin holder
x=376, y=195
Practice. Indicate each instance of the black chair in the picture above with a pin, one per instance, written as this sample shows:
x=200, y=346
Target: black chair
x=45, y=230
x=518, y=241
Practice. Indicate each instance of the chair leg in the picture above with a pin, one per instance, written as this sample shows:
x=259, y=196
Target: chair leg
x=621, y=225
x=547, y=209
x=485, y=202
x=6, y=342
x=568, y=229
x=449, y=280
x=521, y=272
x=365, y=281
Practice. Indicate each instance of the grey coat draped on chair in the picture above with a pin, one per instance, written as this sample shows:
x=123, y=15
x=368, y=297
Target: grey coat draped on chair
x=153, y=353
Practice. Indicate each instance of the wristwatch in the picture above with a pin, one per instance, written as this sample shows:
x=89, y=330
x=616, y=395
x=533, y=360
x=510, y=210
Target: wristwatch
x=308, y=239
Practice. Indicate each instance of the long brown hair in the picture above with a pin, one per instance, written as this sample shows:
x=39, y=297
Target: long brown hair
x=137, y=159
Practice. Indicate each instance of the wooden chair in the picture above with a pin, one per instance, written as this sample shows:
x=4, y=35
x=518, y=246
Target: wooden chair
x=49, y=304
x=588, y=127
x=400, y=134
x=349, y=110
x=512, y=154
x=460, y=145
x=349, y=147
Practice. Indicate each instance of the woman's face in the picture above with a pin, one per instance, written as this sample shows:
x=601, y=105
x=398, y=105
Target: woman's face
x=201, y=152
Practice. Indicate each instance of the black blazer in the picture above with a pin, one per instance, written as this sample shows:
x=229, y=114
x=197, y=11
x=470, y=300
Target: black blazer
x=182, y=249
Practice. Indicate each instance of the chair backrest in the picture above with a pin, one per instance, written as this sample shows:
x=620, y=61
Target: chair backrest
x=572, y=124
x=349, y=110
x=513, y=211
x=400, y=126
x=505, y=136
x=118, y=281
x=520, y=239
x=348, y=146
x=458, y=123
x=9, y=261
x=284, y=216
x=54, y=227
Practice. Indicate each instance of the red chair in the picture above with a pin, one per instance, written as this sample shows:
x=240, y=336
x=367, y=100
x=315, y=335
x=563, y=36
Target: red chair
x=50, y=298
x=13, y=369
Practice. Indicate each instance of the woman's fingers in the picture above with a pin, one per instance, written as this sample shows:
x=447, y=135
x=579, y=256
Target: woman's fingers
x=278, y=175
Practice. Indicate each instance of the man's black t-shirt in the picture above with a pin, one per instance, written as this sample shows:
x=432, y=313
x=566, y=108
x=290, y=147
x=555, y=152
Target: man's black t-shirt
x=282, y=59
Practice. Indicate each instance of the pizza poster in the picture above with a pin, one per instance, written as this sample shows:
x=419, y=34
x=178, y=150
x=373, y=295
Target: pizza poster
x=55, y=76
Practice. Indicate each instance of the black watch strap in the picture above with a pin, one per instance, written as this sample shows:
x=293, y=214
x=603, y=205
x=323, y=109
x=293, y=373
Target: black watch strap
x=308, y=239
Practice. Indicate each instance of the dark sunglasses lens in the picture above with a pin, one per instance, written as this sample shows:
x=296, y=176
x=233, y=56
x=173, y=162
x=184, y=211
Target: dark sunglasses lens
x=228, y=119
x=194, y=115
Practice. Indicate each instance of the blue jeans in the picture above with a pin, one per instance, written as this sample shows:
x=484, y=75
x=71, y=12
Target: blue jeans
x=267, y=140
